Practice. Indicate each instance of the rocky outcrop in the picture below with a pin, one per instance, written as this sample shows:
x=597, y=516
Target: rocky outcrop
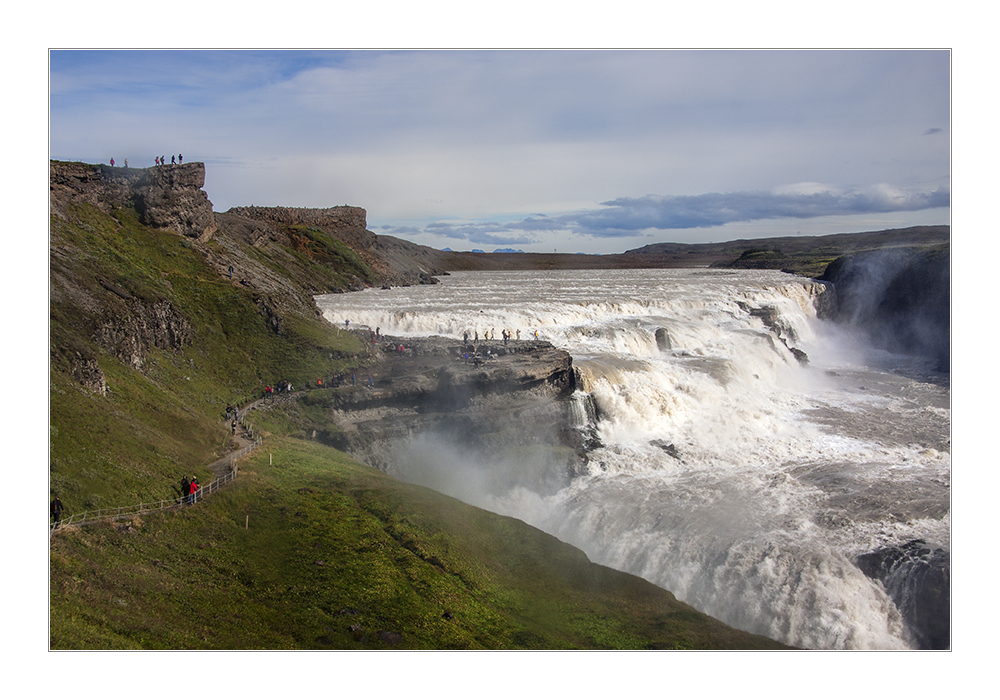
x=166, y=196
x=138, y=326
x=482, y=401
x=899, y=297
x=348, y=224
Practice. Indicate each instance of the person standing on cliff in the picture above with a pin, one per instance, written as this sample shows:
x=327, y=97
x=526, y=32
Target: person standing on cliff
x=112, y=162
x=180, y=158
x=126, y=162
x=156, y=159
x=194, y=489
x=185, y=489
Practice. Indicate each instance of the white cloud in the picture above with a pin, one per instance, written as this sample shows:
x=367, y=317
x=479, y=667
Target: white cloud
x=416, y=137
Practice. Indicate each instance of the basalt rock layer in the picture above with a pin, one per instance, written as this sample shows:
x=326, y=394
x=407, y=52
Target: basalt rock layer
x=165, y=197
x=483, y=401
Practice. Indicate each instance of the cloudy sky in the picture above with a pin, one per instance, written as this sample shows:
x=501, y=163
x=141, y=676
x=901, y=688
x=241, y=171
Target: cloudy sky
x=575, y=151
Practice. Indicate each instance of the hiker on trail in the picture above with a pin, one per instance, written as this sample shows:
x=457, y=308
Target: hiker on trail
x=236, y=413
x=194, y=489
x=112, y=162
x=234, y=427
x=56, y=509
x=319, y=382
x=518, y=333
x=126, y=162
x=230, y=272
x=156, y=160
x=229, y=411
x=180, y=158
x=465, y=337
x=173, y=161
x=347, y=323
x=185, y=489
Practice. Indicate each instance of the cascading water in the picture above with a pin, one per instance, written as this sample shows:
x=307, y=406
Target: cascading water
x=780, y=495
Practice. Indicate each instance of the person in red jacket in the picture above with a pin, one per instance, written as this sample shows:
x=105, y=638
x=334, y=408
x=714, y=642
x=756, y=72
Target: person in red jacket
x=194, y=489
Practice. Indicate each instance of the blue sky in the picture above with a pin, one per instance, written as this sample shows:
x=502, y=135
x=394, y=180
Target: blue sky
x=575, y=151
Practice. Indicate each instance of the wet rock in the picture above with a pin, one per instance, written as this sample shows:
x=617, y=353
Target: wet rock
x=663, y=339
x=918, y=579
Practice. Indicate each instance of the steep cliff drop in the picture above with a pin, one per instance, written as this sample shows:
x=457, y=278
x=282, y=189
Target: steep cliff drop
x=899, y=297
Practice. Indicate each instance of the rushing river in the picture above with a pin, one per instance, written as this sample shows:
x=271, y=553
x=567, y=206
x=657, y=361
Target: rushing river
x=748, y=483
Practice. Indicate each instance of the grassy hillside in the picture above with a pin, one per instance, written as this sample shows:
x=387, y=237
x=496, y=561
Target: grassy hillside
x=166, y=418
x=310, y=550
x=148, y=343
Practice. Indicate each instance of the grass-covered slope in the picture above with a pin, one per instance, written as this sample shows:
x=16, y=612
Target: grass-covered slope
x=163, y=417
x=310, y=550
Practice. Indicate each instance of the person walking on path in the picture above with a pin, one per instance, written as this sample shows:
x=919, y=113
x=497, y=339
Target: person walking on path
x=194, y=489
x=185, y=489
x=112, y=162
x=234, y=427
x=56, y=509
x=180, y=158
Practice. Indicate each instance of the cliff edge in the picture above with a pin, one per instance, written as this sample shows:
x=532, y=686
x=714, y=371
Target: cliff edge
x=165, y=197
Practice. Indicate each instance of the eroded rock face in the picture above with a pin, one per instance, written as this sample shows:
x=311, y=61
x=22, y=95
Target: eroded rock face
x=129, y=335
x=170, y=197
x=900, y=297
x=430, y=406
x=166, y=196
x=349, y=222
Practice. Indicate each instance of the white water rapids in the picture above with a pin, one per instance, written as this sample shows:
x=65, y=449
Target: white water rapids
x=745, y=482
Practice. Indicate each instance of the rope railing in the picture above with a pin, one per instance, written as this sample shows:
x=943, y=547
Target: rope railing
x=119, y=512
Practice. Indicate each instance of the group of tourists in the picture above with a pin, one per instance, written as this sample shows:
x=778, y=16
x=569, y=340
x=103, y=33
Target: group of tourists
x=278, y=388
x=491, y=334
x=189, y=489
x=159, y=160
x=338, y=379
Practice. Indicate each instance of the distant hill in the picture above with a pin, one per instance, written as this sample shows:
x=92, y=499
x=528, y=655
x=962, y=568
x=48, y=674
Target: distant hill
x=802, y=255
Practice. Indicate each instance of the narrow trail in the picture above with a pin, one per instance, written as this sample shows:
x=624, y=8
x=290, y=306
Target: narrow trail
x=223, y=471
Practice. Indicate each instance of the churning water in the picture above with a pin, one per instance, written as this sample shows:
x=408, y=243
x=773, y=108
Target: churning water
x=748, y=483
